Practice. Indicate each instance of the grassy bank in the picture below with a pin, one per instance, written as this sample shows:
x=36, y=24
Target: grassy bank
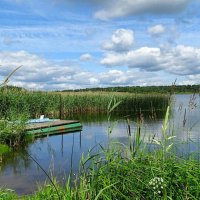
x=144, y=177
x=133, y=171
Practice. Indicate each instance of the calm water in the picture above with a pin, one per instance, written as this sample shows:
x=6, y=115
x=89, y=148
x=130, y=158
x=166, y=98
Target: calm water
x=56, y=154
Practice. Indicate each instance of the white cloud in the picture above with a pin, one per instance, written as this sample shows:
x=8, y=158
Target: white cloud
x=121, y=8
x=94, y=81
x=130, y=77
x=137, y=58
x=118, y=77
x=156, y=30
x=86, y=57
x=191, y=80
x=37, y=72
x=112, y=8
x=122, y=40
x=180, y=60
x=40, y=74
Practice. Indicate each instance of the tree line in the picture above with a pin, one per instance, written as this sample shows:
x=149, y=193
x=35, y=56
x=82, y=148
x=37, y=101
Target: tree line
x=146, y=89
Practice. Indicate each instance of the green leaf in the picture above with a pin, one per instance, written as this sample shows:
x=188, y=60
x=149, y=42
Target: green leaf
x=109, y=105
x=169, y=147
x=4, y=149
x=114, y=106
x=8, y=77
x=157, y=142
x=165, y=125
x=100, y=192
x=171, y=137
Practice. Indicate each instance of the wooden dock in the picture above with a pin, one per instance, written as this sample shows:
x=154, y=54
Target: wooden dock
x=53, y=127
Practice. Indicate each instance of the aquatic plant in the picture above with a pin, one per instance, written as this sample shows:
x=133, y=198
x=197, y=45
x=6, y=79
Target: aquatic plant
x=12, y=132
x=35, y=103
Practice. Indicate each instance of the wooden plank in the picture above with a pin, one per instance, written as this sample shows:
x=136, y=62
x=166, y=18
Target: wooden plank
x=56, y=129
x=34, y=126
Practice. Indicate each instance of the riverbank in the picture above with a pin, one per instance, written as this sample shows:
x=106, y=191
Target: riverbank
x=116, y=175
x=138, y=170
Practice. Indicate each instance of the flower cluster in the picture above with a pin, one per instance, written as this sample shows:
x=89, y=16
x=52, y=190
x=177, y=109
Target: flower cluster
x=157, y=185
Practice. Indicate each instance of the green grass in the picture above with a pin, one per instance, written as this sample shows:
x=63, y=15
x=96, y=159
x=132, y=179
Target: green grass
x=129, y=172
x=131, y=178
x=6, y=194
x=114, y=176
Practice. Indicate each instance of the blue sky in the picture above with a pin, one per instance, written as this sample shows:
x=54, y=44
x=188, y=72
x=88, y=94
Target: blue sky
x=65, y=44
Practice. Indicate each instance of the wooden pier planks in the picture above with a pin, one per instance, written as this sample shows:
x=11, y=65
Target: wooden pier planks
x=53, y=127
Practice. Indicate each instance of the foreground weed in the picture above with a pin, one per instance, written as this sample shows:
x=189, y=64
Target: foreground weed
x=7, y=194
x=165, y=142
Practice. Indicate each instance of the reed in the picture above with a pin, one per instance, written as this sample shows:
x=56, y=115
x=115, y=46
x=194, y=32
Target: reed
x=34, y=103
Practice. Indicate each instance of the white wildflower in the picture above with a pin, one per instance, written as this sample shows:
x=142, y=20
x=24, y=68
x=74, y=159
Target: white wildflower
x=157, y=185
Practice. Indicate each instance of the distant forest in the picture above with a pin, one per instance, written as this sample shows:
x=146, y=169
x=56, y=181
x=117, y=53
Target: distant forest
x=146, y=89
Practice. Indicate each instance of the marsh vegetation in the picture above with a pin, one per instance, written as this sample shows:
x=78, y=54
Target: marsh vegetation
x=141, y=165
x=35, y=103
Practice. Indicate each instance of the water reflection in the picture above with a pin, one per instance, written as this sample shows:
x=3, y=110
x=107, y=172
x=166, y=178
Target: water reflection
x=60, y=154
x=186, y=117
x=149, y=115
x=17, y=160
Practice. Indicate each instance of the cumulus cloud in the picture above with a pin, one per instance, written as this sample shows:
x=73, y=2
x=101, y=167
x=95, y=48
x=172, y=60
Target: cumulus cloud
x=94, y=81
x=40, y=74
x=121, y=8
x=156, y=30
x=130, y=77
x=191, y=80
x=180, y=60
x=121, y=40
x=118, y=77
x=86, y=57
x=37, y=72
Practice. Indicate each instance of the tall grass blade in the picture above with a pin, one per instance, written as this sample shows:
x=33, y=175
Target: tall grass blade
x=101, y=191
x=46, y=175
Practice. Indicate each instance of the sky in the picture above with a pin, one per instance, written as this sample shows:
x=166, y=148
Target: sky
x=73, y=44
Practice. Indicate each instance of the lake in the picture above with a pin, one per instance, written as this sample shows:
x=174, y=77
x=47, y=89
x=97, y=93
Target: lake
x=60, y=154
